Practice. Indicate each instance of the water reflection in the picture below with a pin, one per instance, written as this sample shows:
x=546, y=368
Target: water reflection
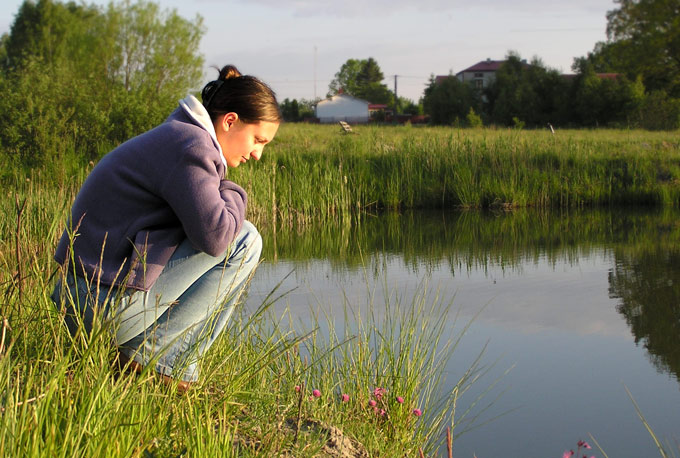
x=567, y=295
x=647, y=282
x=641, y=250
x=468, y=241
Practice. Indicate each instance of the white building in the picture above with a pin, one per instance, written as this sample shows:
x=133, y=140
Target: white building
x=342, y=107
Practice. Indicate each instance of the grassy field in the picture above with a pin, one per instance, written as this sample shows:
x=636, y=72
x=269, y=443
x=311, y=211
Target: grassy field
x=59, y=396
x=313, y=171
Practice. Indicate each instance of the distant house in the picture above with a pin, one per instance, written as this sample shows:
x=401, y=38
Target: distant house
x=483, y=73
x=379, y=110
x=342, y=107
x=480, y=75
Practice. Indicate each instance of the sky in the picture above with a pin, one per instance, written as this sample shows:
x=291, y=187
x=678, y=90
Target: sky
x=297, y=46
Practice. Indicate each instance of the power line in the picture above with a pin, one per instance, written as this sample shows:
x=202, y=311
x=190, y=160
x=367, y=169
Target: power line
x=407, y=76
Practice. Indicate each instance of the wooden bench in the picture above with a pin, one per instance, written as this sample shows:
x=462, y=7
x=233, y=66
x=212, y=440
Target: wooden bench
x=346, y=128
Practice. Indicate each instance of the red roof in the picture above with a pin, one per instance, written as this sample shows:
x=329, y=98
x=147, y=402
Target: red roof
x=376, y=106
x=607, y=76
x=602, y=76
x=485, y=66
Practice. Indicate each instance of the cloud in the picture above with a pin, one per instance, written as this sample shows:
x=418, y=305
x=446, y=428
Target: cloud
x=354, y=8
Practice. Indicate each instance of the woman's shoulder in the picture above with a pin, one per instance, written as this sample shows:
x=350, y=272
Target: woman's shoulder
x=180, y=126
x=177, y=135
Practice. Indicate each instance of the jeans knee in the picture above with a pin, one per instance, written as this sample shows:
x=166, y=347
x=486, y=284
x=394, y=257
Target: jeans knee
x=251, y=240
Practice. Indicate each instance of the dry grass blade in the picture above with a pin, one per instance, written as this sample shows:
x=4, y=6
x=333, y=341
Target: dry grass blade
x=662, y=452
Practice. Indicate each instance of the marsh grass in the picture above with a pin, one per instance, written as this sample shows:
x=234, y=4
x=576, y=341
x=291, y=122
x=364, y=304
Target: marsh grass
x=315, y=172
x=61, y=397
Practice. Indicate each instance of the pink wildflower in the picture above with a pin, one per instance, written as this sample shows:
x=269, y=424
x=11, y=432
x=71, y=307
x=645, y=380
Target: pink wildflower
x=417, y=412
x=372, y=403
x=378, y=392
x=568, y=454
x=345, y=397
x=297, y=388
x=400, y=400
x=382, y=412
x=316, y=393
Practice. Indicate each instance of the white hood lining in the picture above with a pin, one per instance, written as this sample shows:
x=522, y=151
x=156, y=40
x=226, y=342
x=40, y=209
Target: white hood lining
x=196, y=111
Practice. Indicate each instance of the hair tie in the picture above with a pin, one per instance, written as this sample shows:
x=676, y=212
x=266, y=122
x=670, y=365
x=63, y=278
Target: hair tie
x=212, y=90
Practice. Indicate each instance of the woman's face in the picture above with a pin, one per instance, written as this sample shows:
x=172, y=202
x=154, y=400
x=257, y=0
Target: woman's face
x=241, y=141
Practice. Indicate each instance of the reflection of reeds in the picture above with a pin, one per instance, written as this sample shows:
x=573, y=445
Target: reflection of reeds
x=465, y=240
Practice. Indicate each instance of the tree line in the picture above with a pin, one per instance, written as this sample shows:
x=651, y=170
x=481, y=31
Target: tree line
x=81, y=78
x=631, y=80
x=535, y=96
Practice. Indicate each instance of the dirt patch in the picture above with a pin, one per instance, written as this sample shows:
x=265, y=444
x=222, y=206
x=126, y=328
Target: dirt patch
x=312, y=433
x=337, y=445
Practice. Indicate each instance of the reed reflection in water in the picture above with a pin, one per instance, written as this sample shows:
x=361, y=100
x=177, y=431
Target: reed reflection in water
x=579, y=302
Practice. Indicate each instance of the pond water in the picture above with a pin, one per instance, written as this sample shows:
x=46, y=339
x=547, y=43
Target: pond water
x=579, y=305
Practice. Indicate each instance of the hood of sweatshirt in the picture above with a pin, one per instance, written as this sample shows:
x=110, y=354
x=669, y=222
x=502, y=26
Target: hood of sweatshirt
x=197, y=112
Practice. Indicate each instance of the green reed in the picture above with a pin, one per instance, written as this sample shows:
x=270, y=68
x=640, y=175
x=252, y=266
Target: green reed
x=316, y=171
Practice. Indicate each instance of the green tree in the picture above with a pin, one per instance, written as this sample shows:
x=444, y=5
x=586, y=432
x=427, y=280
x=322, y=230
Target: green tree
x=84, y=78
x=449, y=101
x=290, y=110
x=643, y=38
x=369, y=73
x=346, y=79
x=597, y=101
x=659, y=112
x=472, y=119
x=361, y=79
x=295, y=111
x=408, y=106
x=528, y=92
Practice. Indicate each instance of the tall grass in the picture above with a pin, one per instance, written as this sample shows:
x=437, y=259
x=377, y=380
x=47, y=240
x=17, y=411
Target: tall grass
x=314, y=172
x=317, y=172
x=60, y=397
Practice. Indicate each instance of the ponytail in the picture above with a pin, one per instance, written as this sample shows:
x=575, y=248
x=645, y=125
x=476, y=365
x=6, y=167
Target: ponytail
x=251, y=99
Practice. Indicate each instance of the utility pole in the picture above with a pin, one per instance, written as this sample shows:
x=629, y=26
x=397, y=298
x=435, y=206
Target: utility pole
x=396, y=99
x=314, y=73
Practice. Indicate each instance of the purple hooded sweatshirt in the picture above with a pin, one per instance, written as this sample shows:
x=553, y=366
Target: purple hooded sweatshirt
x=146, y=196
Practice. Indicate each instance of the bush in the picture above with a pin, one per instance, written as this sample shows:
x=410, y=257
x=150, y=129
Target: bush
x=473, y=119
x=77, y=78
x=658, y=112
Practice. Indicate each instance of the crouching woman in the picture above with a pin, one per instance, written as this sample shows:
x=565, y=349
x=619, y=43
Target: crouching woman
x=157, y=244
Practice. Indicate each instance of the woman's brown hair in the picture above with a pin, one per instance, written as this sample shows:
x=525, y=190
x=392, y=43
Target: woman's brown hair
x=251, y=99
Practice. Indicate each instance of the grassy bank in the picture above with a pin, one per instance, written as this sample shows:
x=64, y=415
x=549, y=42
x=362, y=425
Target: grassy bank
x=60, y=397
x=313, y=171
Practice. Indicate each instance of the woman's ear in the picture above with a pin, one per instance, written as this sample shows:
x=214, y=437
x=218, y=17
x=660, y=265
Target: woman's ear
x=228, y=120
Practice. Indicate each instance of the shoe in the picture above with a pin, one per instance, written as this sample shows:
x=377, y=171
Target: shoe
x=125, y=364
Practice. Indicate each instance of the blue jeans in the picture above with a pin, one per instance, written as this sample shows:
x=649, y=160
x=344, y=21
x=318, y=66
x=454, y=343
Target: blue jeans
x=174, y=323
